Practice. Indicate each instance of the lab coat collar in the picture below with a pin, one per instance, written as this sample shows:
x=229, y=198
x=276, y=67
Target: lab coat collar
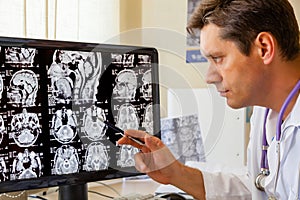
x=293, y=117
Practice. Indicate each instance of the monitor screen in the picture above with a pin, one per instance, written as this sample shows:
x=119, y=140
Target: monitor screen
x=55, y=96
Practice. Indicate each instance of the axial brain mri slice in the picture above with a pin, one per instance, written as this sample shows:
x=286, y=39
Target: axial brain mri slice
x=27, y=165
x=25, y=128
x=64, y=125
x=66, y=160
x=96, y=157
x=93, y=123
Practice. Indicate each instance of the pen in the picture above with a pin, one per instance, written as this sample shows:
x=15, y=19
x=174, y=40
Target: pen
x=117, y=129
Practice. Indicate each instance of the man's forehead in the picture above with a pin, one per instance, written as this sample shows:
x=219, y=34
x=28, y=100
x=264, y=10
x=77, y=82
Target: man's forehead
x=209, y=38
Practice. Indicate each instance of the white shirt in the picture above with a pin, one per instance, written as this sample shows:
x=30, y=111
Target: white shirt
x=233, y=186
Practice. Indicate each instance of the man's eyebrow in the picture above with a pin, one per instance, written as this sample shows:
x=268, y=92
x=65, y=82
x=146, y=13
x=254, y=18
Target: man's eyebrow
x=212, y=54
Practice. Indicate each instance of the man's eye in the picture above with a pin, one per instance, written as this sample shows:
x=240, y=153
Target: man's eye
x=217, y=59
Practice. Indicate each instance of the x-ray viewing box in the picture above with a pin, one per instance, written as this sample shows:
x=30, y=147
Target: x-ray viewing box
x=52, y=96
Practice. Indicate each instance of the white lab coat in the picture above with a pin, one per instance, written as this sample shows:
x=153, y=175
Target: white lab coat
x=231, y=185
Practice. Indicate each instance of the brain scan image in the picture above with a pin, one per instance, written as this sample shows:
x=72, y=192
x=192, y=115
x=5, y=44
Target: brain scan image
x=148, y=119
x=66, y=160
x=23, y=89
x=126, y=85
x=127, y=117
x=27, y=165
x=2, y=129
x=25, y=128
x=127, y=153
x=94, y=128
x=146, y=88
x=125, y=59
x=3, y=170
x=87, y=76
x=1, y=86
x=62, y=76
x=64, y=125
x=169, y=138
x=19, y=55
x=96, y=157
x=144, y=59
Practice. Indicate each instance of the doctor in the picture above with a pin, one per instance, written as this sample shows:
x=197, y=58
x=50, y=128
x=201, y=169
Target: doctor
x=253, y=50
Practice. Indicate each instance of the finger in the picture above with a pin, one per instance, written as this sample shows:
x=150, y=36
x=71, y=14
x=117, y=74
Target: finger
x=136, y=133
x=126, y=141
x=140, y=164
x=153, y=143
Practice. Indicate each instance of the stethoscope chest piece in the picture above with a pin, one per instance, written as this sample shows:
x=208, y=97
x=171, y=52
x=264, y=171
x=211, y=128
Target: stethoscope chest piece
x=260, y=180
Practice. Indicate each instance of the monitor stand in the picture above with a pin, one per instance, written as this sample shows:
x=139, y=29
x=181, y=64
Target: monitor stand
x=74, y=192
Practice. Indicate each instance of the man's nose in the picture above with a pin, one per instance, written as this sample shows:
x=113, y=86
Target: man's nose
x=213, y=75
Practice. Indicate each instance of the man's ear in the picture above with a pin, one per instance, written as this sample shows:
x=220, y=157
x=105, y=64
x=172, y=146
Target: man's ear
x=265, y=44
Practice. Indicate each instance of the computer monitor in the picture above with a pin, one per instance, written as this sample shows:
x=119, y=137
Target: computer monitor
x=54, y=98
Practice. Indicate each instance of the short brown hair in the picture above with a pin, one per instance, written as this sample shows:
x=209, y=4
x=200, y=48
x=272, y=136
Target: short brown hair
x=242, y=20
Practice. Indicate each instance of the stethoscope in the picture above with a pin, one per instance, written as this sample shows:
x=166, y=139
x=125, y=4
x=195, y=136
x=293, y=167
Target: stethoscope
x=259, y=181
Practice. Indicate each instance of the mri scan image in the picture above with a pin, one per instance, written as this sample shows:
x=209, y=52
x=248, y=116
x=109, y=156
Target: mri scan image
x=3, y=170
x=126, y=85
x=127, y=153
x=23, y=88
x=183, y=137
x=27, y=165
x=25, y=128
x=127, y=117
x=96, y=157
x=124, y=59
x=66, y=160
x=2, y=129
x=1, y=86
x=146, y=88
x=94, y=128
x=88, y=73
x=148, y=119
x=62, y=76
x=64, y=125
x=19, y=55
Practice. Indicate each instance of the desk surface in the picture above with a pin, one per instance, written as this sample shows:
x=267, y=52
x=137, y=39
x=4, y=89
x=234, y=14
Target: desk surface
x=122, y=186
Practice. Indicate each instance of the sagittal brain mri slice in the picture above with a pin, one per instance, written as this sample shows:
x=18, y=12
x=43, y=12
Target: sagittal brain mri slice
x=27, y=165
x=23, y=88
x=64, y=125
x=126, y=85
x=25, y=128
x=62, y=76
x=88, y=73
x=66, y=160
x=96, y=157
x=93, y=118
x=19, y=55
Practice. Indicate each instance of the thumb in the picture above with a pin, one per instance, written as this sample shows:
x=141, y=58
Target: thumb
x=153, y=143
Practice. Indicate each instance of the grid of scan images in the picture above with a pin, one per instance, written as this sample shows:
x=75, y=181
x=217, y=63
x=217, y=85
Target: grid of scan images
x=54, y=102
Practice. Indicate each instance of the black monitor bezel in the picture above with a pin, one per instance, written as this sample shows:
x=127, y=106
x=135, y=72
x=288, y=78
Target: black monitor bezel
x=82, y=177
